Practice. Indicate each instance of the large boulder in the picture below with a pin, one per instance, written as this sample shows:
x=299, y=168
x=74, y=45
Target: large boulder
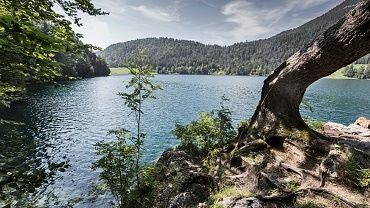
x=183, y=182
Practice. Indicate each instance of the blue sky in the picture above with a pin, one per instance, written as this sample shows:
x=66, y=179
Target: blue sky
x=221, y=22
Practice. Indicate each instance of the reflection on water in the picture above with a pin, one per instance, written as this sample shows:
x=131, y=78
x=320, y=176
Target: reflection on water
x=26, y=167
x=54, y=147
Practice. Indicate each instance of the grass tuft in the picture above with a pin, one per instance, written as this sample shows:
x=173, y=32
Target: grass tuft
x=227, y=192
x=355, y=171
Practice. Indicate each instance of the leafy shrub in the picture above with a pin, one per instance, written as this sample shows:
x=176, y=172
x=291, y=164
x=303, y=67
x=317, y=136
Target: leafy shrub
x=212, y=130
x=143, y=196
x=293, y=185
x=211, y=160
x=314, y=124
x=355, y=171
x=118, y=166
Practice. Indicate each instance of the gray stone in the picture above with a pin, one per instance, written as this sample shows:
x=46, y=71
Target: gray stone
x=3, y=179
x=250, y=202
x=228, y=201
x=182, y=200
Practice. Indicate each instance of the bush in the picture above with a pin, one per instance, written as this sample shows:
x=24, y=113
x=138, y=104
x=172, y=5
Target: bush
x=212, y=130
x=355, y=171
x=118, y=166
x=119, y=171
x=314, y=124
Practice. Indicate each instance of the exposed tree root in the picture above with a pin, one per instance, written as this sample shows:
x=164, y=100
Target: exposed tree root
x=291, y=197
x=275, y=182
x=327, y=192
x=364, y=161
x=251, y=146
x=296, y=170
x=286, y=197
x=362, y=147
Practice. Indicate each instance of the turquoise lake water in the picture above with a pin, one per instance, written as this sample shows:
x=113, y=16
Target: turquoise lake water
x=63, y=123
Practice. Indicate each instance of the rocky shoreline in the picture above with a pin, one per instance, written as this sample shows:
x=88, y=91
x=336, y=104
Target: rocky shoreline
x=184, y=181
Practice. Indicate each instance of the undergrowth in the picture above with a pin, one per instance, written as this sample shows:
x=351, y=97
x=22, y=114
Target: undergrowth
x=353, y=170
x=227, y=192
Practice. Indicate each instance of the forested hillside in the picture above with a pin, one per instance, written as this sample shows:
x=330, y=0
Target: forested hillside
x=360, y=69
x=79, y=62
x=364, y=60
x=84, y=64
x=256, y=57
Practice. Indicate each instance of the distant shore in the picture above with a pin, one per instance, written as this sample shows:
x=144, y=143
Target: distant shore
x=336, y=75
x=119, y=71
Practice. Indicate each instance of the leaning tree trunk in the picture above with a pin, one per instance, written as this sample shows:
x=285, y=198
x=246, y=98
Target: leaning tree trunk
x=277, y=114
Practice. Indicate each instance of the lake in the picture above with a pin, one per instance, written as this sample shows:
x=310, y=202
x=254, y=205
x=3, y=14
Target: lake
x=63, y=123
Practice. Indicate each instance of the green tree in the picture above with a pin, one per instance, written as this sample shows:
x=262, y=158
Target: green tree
x=136, y=185
x=31, y=33
x=367, y=72
x=349, y=71
x=141, y=88
x=119, y=166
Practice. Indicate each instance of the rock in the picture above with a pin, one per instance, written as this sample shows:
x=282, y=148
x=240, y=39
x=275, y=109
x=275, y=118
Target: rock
x=3, y=179
x=202, y=205
x=189, y=185
x=5, y=205
x=250, y=202
x=335, y=130
x=8, y=190
x=232, y=202
x=182, y=200
x=354, y=136
x=194, y=195
x=228, y=202
x=358, y=130
x=364, y=122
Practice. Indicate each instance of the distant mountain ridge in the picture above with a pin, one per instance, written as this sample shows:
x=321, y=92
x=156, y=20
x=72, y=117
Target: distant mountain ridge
x=167, y=55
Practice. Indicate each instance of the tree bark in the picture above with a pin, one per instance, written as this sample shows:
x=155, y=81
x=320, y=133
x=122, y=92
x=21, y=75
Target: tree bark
x=277, y=114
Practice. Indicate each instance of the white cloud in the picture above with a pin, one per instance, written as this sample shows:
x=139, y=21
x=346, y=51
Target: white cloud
x=94, y=31
x=208, y=3
x=157, y=14
x=115, y=8
x=253, y=21
x=310, y=3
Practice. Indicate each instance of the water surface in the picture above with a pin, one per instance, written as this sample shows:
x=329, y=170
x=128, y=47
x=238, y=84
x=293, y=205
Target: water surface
x=63, y=123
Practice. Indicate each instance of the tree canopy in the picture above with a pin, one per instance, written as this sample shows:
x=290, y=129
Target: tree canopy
x=31, y=34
